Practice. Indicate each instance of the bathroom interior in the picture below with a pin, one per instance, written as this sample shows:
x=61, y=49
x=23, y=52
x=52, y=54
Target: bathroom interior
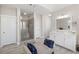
x=27, y=25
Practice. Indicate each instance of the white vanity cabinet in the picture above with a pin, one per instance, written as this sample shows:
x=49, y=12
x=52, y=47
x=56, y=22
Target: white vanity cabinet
x=70, y=40
x=66, y=39
x=59, y=38
x=65, y=32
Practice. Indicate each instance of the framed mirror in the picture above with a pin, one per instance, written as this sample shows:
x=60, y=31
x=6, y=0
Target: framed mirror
x=64, y=23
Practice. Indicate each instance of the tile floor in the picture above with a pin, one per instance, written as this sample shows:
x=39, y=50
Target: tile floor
x=14, y=49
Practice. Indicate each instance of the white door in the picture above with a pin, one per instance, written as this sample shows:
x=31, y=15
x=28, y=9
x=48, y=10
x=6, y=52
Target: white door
x=70, y=41
x=8, y=30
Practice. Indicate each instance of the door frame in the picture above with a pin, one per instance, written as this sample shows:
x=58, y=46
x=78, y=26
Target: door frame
x=18, y=31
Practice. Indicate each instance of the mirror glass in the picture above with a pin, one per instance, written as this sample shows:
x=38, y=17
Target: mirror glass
x=63, y=23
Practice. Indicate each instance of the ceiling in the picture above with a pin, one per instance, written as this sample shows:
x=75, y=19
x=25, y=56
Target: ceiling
x=24, y=7
x=43, y=8
x=55, y=7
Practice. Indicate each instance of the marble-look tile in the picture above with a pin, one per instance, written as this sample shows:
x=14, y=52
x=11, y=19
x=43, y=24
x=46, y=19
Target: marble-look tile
x=14, y=49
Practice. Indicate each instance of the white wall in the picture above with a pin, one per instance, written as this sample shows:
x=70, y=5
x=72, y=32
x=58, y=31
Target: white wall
x=46, y=25
x=42, y=22
x=37, y=25
x=7, y=11
x=42, y=25
x=73, y=11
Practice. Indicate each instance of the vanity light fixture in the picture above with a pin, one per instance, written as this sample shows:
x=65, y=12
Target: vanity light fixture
x=65, y=16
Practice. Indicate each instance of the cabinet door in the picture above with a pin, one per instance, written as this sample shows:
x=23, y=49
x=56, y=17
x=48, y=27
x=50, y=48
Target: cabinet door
x=59, y=38
x=8, y=30
x=70, y=41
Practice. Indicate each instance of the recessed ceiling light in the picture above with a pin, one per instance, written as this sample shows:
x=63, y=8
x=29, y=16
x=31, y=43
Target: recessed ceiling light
x=25, y=13
x=49, y=15
x=65, y=16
